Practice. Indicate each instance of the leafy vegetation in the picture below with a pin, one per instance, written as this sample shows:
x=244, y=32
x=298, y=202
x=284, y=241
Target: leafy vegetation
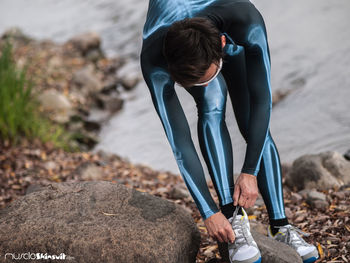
x=19, y=108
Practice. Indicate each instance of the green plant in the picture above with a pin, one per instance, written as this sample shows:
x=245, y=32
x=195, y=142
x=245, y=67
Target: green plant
x=19, y=108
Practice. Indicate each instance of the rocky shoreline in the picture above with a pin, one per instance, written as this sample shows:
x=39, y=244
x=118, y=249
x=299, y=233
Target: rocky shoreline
x=79, y=88
x=76, y=84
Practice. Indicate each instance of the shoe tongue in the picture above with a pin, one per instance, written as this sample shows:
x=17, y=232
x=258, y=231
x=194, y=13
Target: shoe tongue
x=238, y=218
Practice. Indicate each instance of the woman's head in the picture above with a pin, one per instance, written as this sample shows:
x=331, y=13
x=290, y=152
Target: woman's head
x=193, y=50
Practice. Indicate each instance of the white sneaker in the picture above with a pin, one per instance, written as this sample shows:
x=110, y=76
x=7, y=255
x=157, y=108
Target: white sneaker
x=244, y=249
x=289, y=235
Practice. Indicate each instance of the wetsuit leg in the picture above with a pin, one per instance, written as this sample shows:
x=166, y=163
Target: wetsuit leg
x=269, y=176
x=214, y=138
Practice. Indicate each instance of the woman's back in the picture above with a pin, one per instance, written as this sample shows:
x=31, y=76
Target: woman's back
x=162, y=13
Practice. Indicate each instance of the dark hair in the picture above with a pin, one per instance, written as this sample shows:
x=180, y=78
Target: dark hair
x=190, y=46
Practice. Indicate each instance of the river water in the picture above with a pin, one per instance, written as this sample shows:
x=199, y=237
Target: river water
x=310, y=55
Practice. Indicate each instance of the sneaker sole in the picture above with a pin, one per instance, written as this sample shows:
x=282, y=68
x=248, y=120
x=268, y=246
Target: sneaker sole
x=310, y=257
x=310, y=260
x=256, y=259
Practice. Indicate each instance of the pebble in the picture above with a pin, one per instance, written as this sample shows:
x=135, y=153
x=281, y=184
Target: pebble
x=50, y=165
x=87, y=80
x=319, y=204
x=303, y=193
x=178, y=193
x=86, y=41
x=91, y=172
x=259, y=202
x=314, y=195
x=340, y=195
x=257, y=212
x=54, y=100
x=300, y=218
x=296, y=197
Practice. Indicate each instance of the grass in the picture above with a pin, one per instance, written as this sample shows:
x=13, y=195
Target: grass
x=19, y=108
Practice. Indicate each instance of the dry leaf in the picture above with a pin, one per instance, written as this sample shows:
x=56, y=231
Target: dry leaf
x=108, y=214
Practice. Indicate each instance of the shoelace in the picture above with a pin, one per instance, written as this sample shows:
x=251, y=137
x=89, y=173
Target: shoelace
x=244, y=238
x=235, y=212
x=298, y=239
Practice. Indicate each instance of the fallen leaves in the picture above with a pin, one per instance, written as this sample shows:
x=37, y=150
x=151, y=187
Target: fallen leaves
x=347, y=227
x=37, y=163
x=320, y=251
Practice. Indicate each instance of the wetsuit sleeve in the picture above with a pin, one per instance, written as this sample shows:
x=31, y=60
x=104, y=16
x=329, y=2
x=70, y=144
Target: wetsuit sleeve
x=177, y=130
x=248, y=30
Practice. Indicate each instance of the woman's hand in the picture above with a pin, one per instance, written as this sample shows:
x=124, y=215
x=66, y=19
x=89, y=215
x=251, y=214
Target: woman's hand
x=246, y=190
x=219, y=228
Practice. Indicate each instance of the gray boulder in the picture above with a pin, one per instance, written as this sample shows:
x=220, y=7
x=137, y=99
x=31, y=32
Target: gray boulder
x=321, y=171
x=98, y=222
x=271, y=251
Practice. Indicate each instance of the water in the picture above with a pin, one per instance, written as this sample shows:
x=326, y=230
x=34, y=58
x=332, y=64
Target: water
x=310, y=54
x=117, y=22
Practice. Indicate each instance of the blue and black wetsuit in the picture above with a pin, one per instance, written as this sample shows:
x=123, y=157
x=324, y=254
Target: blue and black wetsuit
x=245, y=76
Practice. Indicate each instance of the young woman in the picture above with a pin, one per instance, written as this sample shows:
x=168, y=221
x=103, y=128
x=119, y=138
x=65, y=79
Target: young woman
x=211, y=48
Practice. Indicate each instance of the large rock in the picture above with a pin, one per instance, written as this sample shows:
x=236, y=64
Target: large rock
x=271, y=251
x=321, y=171
x=98, y=222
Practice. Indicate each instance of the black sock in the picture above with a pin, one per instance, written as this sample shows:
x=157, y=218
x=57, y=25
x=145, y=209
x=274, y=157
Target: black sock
x=229, y=209
x=276, y=223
